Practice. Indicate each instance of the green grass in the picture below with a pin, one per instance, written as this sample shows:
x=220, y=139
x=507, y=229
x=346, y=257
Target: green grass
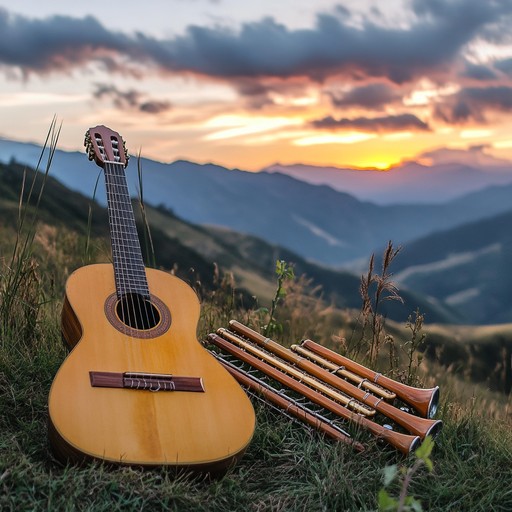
x=286, y=467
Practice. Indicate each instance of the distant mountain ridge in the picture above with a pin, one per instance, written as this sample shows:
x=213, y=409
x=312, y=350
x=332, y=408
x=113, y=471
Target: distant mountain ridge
x=436, y=177
x=193, y=251
x=471, y=274
x=317, y=222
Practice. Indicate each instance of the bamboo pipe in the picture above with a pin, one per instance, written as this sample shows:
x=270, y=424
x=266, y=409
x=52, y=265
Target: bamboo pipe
x=348, y=401
x=403, y=442
x=424, y=401
x=361, y=382
x=289, y=405
x=414, y=424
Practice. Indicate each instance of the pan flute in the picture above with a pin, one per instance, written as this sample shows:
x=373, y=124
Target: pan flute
x=325, y=390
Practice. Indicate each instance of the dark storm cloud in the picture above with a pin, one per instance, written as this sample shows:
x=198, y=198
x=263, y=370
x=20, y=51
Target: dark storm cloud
x=472, y=103
x=479, y=72
x=130, y=99
x=264, y=48
x=505, y=66
x=402, y=122
x=268, y=48
x=57, y=43
x=371, y=96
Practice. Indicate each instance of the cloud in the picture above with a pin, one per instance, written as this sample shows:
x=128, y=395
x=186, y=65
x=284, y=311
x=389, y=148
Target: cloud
x=269, y=49
x=371, y=96
x=154, y=107
x=256, y=93
x=479, y=72
x=401, y=122
x=57, y=43
x=472, y=103
x=504, y=65
x=262, y=49
x=130, y=99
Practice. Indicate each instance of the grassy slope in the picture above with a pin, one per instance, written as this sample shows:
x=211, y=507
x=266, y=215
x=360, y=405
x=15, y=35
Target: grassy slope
x=285, y=468
x=252, y=261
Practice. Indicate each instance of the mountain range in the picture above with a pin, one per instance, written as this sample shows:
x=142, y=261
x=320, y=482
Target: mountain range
x=455, y=256
x=433, y=177
x=467, y=268
x=315, y=221
x=192, y=251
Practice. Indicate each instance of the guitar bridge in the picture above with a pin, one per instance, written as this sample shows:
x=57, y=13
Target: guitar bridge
x=146, y=381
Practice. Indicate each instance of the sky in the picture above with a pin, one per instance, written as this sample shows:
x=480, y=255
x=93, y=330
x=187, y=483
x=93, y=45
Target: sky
x=349, y=83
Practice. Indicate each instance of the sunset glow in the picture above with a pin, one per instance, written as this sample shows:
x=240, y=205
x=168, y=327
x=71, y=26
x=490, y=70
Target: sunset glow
x=358, y=84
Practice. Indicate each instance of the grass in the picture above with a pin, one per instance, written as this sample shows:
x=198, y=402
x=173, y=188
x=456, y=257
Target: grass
x=286, y=467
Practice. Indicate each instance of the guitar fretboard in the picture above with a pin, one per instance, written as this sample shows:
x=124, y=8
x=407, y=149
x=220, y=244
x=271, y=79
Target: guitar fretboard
x=129, y=271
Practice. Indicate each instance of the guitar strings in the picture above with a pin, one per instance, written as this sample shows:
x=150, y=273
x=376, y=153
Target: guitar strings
x=123, y=243
x=116, y=256
x=126, y=298
x=124, y=240
x=130, y=284
x=131, y=272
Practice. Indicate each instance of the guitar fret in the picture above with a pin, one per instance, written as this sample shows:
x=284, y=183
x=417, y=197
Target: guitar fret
x=131, y=265
x=124, y=233
x=124, y=288
x=129, y=270
x=121, y=210
x=132, y=275
x=131, y=280
x=128, y=237
x=134, y=269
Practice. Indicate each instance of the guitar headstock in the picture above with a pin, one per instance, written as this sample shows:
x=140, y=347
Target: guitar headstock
x=104, y=145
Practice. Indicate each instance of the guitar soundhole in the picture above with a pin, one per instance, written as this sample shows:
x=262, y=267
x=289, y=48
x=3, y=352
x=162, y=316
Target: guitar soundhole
x=138, y=316
x=137, y=312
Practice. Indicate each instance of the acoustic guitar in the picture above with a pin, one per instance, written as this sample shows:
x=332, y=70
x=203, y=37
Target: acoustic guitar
x=137, y=387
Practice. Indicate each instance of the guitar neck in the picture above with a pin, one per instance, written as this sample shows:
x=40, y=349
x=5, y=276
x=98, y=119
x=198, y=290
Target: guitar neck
x=129, y=271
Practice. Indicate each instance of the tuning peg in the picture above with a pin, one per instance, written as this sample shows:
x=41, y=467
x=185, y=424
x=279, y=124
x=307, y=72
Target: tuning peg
x=127, y=156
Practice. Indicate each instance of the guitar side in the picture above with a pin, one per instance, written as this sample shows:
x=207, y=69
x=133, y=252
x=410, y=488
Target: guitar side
x=205, y=431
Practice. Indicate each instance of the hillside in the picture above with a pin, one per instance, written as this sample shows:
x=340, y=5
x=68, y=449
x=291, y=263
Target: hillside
x=316, y=222
x=194, y=250
x=252, y=261
x=467, y=268
x=63, y=208
x=277, y=467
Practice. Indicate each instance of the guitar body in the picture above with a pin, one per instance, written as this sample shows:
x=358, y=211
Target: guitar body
x=204, y=431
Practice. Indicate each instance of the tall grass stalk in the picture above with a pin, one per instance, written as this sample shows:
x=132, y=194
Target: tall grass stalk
x=148, y=239
x=19, y=286
x=374, y=289
x=87, y=255
x=284, y=272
